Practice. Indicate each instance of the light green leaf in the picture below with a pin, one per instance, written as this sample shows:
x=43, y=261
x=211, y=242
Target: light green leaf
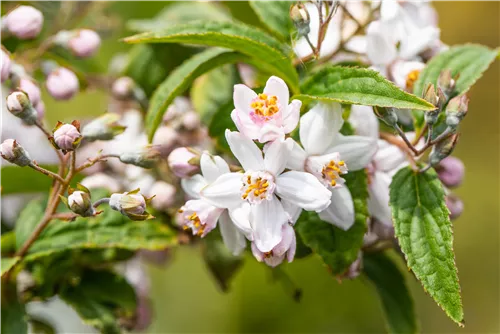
x=338, y=248
x=13, y=313
x=423, y=228
x=27, y=221
x=358, y=86
x=102, y=299
x=179, y=13
x=267, y=52
x=275, y=15
x=394, y=294
x=7, y=263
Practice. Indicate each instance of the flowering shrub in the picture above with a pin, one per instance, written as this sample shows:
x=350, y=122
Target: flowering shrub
x=328, y=129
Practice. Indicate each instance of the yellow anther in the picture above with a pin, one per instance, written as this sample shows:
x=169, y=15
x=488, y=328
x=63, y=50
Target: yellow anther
x=263, y=96
x=265, y=105
x=411, y=79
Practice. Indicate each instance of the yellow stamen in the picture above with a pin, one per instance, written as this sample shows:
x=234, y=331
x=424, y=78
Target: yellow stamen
x=265, y=106
x=411, y=79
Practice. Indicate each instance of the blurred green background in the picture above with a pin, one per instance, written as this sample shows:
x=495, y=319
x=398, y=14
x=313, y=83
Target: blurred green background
x=187, y=300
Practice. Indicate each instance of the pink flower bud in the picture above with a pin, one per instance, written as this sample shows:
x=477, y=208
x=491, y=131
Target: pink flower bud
x=123, y=88
x=24, y=22
x=164, y=195
x=62, y=84
x=7, y=149
x=14, y=153
x=79, y=202
x=84, y=43
x=451, y=171
x=455, y=205
x=32, y=89
x=67, y=137
x=191, y=120
x=183, y=162
x=20, y=106
x=40, y=110
x=6, y=64
x=131, y=204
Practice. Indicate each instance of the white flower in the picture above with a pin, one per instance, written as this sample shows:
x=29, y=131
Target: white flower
x=251, y=197
x=285, y=248
x=267, y=116
x=321, y=156
x=200, y=215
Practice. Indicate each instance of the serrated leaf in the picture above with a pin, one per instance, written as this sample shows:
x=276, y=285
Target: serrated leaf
x=394, y=294
x=101, y=298
x=267, y=52
x=179, y=13
x=358, y=86
x=423, y=228
x=338, y=248
x=275, y=15
x=13, y=313
x=7, y=263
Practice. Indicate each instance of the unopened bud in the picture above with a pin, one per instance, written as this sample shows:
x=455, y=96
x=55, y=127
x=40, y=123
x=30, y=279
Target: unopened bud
x=104, y=127
x=146, y=157
x=79, y=201
x=191, y=120
x=456, y=110
x=67, y=137
x=455, y=206
x=451, y=171
x=430, y=96
x=131, y=204
x=62, y=84
x=6, y=66
x=32, y=89
x=40, y=110
x=123, y=88
x=24, y=22
x=14, y=153
x=165, y=195
x=19, y=105
x=388, y=115
x=84, y=43
x=446, y=82
x=184, y=162
x=443, y=149
x=300, y=18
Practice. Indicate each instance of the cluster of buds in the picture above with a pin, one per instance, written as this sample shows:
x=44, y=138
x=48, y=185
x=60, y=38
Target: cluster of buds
x=15, y=153
x=79, y=201
x=67, y=137
x=184, y=162
x=104, y=127
x=131, y=204
x=19, y=105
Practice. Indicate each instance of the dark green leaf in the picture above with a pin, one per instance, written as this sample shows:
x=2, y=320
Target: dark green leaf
x=27, y=221
x=275, y=15
x=17, y=180
x=423, y=228
x=100, y=298
x=8, y=262
x=13, y=312
x=394, y=295
x=8, y=243
x=338, y=248
x=358, y=86
x=268, y=53
x=220, y=122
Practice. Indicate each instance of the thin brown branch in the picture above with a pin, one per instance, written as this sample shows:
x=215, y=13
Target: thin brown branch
x=44, y=171
x=93, y=161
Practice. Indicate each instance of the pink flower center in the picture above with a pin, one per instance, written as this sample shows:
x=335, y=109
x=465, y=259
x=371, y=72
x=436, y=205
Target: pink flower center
x=265, y=107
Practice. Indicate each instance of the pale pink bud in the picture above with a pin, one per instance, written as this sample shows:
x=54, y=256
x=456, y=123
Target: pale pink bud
x=164, y=195
x=6, y=64
x=62, y=84
x=455, y=205
x=183, y=162
x=14, y=153
x=451, y=171
x=191, y=120
x=32, y=89
x=24, y=22
x=67, y=137
x=7, y=149
x=79, y=202
x=123, y=88
x=20, y=106
x=84, y=43
x=40, y=109
x=131, y=204
x=165, y=135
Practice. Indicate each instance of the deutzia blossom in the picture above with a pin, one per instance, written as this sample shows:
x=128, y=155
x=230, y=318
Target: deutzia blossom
x=200, y=215
x=253, y=195
x=285, y=248
x=323, y=149
x=267, y=116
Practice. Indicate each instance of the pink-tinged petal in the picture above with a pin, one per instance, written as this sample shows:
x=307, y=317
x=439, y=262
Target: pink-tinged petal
x=241, y=218
x=259, y=256
x=363, y=119
x=291, y=116
x=224, y=192
x=304, y=190
x=266, y=220
x=207, y=215
x=233, y=238
x=319, y=126
x=193, y=185
x=245, y=150
x=288, y=236
x=378, y=202
x=388, y=157
x=356, y=151
x=212, y=166
x=243, y=97
x=293, y=211
x=341, y=210
x=270, y=132
x=245, y=125
x=277, y=155
x=298, y=156
x=277, y=87
x=290, y=255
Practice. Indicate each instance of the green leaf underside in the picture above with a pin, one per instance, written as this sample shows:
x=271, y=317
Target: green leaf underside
x=423, y=228
x=108, y=230
x=275, y=15
x=266, y=50
x=357, y=86
x=99, y=298
x=394, y=294
x=336, y=247
x=7, y=263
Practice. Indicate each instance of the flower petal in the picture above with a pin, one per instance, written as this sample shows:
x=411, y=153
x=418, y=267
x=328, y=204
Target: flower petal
x=243, y=96
x=341, y=210
x=363, y=119
x=293, y=211
x=241, y=218
x=297, y=158
x=224, y=192
x=303, y=189
x=291, y=116
x=245, y=125
x=388, y=157
x=378, y=202
x=212, y=166
x=270, y=132
x=356, y=151
x=319, y=126
x=245, y=150
x=193, y=185
x=276, y=86
x=379, y=48
x=266, y=220
x=233, y=238
x=277, y=155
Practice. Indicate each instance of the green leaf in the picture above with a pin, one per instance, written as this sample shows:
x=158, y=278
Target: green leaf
x=394, y=294
x=8, y=263
x=275, y=15
x=338, y=248
x=212, y=90
x=423, y=228
x=220, y=122
x=13, y=313
x=27, y=221
x=100, y=297
x=358, y=86
x=268, y=53
x=179, y=13
x=17, y=180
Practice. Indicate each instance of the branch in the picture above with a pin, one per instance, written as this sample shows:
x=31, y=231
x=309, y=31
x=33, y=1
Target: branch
x=93, y=161
x=44, y=171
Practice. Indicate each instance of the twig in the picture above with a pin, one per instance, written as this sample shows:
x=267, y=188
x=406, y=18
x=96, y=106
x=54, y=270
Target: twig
x=95, y=160
x=405, y=139
x=69, y=216
x=46, y=172
x=101, y=201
